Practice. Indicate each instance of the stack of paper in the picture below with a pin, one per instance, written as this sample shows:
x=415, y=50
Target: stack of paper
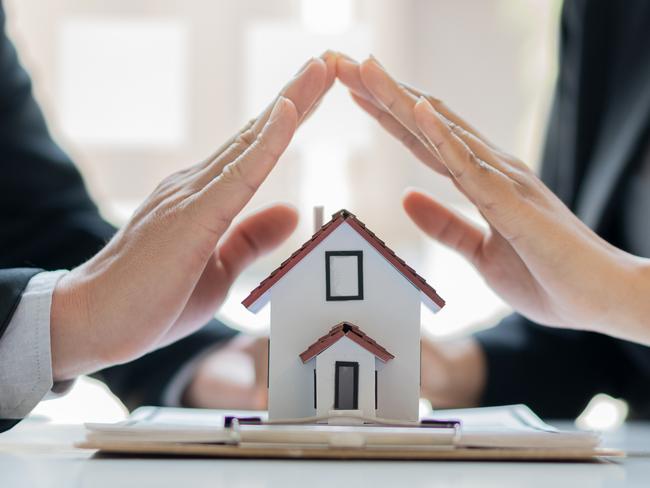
x=511, y=432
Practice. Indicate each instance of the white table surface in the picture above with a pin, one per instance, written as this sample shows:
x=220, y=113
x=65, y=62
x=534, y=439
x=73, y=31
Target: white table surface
x=36, y=454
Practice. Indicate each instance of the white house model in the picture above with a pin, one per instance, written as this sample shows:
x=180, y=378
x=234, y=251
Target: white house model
x=345, y=326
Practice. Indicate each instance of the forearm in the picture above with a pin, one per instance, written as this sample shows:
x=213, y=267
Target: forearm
x=624, y=305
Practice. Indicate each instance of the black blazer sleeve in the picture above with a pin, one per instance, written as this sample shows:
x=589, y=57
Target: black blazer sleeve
x=48, y=221
x=555, y=372
x=12, y=284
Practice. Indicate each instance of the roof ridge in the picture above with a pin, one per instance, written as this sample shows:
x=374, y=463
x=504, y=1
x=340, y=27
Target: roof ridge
x=354, y=333
x=379, y=245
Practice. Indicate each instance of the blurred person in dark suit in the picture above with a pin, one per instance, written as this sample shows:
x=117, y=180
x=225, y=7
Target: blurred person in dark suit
x=136, y=305
x=590, y=273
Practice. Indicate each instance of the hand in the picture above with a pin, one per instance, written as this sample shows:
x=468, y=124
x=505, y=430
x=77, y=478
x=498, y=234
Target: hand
x=165, y=273
x=535, y=254
x=453, y=373
x=232, y=377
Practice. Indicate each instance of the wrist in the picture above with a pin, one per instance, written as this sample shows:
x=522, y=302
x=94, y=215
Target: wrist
x=628, y=320
x=71, y=341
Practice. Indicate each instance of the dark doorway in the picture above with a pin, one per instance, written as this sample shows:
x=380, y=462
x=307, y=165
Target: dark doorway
x=346, y=385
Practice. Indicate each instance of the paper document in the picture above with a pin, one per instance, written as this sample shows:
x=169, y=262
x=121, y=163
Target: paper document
x=513, y=426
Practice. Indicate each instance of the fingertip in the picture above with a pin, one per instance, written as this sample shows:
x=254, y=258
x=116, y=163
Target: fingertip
x=347, y=72
x=279, y=217
x=370, y=68
x=367, y=68
x=426, y=117
x=423, y=108
x=412, y=199
x=283, y=208
x=346, y=63
x=331, y=59
x=319, y=65
x=346, y=57
x=288, y=214
x=329, y=53
x=315, y=71
x=284, y=108
x=315, y=79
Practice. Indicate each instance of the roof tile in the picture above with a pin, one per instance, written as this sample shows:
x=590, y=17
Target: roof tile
x=351, y=331
x=338, y=218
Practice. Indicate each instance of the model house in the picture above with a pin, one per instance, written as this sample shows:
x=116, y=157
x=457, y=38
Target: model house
x=345, y=326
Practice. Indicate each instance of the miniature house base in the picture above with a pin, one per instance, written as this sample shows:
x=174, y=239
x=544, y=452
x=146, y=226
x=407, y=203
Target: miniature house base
x=339, y=304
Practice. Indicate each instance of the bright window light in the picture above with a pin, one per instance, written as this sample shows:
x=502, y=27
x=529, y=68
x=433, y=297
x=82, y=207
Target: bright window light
x=123, y=82
x=603, y=413
x=88, y=401
x=331, y=17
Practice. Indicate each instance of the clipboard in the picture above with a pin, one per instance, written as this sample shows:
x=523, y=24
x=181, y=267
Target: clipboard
x=511, y=433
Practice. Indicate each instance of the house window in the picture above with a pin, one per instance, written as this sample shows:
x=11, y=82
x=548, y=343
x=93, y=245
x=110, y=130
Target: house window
x=344, y=275
x=346, y=385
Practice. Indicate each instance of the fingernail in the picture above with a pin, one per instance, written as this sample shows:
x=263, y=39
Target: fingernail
x=304, y=67
x=345, y=56
x=277, y=107
x=427, y=106
x=350, y=61
x=373, y=58
x=411, y=189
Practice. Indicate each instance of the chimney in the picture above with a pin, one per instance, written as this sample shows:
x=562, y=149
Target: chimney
x=318, y=218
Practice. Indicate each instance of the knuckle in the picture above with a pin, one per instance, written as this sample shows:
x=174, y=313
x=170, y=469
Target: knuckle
x=471, y=164
x=458, y=130
x=168, y=182
x=232, y=173
x=247, y=137
x=265, y=149
x=480, y=165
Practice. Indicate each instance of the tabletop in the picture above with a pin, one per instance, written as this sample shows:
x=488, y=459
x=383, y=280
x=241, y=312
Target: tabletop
x=36, y=454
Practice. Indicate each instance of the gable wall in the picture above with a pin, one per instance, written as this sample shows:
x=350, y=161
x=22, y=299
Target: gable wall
x=389, y=313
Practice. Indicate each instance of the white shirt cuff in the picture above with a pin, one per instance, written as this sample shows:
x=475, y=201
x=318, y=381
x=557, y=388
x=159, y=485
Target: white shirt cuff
x=25, y=352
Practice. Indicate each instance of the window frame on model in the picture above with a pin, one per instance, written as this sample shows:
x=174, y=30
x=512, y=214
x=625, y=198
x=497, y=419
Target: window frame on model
x=328, y=295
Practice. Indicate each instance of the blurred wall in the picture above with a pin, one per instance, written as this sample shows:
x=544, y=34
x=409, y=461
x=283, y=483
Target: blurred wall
x=137, y=89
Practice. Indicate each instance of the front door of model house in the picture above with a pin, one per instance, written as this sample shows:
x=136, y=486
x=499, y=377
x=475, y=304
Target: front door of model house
x=346, y=385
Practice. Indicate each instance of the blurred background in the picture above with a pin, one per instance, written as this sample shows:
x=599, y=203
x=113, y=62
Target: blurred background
x=137, y=89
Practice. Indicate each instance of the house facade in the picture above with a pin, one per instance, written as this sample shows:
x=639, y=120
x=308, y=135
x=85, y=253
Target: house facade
x=345, y=326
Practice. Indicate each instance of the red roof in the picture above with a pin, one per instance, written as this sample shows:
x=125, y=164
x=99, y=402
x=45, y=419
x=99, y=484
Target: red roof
x=352, y=332
x=337, y=219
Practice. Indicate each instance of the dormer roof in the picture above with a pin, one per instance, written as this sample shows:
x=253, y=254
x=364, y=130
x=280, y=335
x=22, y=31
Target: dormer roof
x=259, y=296
x=352, y=332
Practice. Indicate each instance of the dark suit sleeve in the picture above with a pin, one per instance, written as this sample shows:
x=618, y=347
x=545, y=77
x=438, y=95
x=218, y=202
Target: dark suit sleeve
x=555, y=372
x=48, y=222
x=12, y=284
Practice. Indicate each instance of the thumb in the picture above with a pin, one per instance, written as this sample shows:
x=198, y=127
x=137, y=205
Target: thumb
x=254, y=236
x=443, y=224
